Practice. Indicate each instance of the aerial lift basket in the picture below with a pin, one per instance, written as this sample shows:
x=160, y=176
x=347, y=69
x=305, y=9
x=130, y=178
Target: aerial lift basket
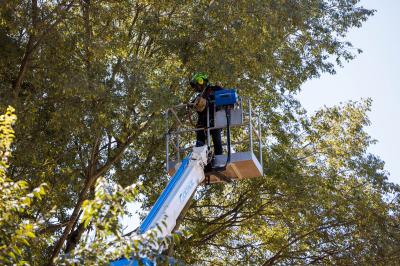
x=241, y=165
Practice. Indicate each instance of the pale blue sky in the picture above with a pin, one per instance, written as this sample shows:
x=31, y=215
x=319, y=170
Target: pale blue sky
x=375, y=74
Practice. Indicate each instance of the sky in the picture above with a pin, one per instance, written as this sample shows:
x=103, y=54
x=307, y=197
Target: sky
x=373, y=74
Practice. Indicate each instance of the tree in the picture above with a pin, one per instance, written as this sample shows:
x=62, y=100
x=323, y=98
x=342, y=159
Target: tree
x=90, y=80
x=106, y=240
x=18, y=229
x=324, y=200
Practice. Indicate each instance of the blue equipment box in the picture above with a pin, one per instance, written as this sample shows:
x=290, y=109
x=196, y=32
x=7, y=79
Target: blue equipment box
x=225, y=97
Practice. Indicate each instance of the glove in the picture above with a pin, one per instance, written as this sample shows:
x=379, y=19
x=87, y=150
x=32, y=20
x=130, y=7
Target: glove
x=200, y=104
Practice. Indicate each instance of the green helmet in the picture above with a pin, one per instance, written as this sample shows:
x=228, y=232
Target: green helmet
x=199, y=79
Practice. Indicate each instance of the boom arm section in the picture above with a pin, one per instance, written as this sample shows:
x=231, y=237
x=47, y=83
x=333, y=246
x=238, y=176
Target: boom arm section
x=174, y=197
x=177, y=193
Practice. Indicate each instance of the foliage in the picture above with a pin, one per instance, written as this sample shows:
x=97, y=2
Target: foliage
x=17, y=229
x=90, y=80
x=105, y=238
x=323, y=201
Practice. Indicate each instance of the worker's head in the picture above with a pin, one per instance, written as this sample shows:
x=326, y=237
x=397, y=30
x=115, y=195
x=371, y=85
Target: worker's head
x=199, y=81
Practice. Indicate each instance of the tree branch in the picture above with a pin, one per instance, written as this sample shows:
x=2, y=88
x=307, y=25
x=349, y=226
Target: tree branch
x=89, y=182
x=33, y=42
x=272, y=260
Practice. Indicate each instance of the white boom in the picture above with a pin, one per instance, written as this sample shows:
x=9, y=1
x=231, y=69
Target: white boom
x=174, y=197
x=177, y=193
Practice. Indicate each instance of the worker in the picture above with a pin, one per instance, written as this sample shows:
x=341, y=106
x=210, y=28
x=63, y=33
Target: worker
x=204, y=100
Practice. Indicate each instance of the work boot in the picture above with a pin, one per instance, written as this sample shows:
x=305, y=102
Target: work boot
x=218, y=164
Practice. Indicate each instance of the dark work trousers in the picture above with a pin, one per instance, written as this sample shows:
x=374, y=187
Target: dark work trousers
x=201, y=135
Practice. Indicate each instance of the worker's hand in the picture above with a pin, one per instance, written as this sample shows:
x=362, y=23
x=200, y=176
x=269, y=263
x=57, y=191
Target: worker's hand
x=200, y=104
x=219, y=84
